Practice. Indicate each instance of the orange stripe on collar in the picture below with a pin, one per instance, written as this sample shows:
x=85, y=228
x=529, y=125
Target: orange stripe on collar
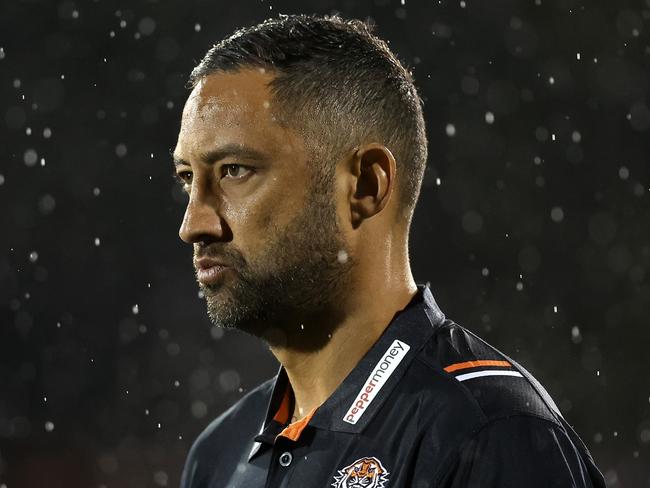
x=282, y=415
x=294, y=430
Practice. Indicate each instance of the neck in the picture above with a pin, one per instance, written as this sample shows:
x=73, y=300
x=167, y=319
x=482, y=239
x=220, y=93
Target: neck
x=314, y=375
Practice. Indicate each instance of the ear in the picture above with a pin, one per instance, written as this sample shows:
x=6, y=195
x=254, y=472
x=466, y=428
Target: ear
x=375, y=169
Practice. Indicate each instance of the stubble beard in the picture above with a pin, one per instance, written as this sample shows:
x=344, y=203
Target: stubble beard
x=291, y=294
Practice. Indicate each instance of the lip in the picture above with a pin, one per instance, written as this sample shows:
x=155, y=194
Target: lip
x=209, y=270
x=211, y=274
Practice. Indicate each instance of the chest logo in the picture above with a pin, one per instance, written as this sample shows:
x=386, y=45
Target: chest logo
x=367, y=472
x=376, y=380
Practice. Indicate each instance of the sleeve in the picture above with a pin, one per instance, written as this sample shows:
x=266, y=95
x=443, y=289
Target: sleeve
x=518, y=451
x=190, y=477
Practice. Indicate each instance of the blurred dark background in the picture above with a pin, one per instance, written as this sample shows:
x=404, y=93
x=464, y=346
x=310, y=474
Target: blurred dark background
x=533, y=225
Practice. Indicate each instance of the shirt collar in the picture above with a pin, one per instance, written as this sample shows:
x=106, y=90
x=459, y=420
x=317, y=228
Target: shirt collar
x=411, y=327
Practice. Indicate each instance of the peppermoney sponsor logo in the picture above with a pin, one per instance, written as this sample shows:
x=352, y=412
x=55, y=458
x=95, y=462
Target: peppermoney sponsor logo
x=380, y=374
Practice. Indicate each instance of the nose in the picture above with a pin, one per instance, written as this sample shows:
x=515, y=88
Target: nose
x=201, y=222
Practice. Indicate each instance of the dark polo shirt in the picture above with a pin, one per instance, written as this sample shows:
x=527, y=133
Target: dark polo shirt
x=429, y=405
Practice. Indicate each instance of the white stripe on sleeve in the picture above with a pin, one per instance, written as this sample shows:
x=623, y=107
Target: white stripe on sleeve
x=478, y=374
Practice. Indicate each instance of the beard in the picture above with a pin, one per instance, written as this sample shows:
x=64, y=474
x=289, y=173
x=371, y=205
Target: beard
x=290, y=294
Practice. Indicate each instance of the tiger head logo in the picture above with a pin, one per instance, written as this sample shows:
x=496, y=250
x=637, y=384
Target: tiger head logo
x=367, y=472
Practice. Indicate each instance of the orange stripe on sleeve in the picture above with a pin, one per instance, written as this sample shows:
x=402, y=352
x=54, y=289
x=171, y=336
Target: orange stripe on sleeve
x=475, y=364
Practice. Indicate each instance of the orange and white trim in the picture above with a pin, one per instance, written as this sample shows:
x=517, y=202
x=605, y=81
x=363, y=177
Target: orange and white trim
x=482, y=363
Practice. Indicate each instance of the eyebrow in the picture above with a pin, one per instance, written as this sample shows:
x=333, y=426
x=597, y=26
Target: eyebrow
x=222, y=152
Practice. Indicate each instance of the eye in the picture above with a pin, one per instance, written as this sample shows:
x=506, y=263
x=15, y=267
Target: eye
x=184, y=177
x=236, y=173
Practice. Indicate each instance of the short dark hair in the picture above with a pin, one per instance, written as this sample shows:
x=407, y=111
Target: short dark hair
x=339, y=84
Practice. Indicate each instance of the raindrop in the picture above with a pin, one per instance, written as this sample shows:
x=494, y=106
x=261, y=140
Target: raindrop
x=472, y=222
x=551, y=80
x=2, y=53
x=177, y=383
x=576, y=336
x=30, y=157
x=96, y=191
x=623, y=173
x=438, y=181
x=159, y=425
x=520, y=286
x=146, y=411
x=135, y=309
x=576, y=136
x=2, y=179
x=49, y=426
x=555, y=308
x=120, y=150
x=97, y=241
x=450, y=129
x=557, y=214
x=197, y=27
x=42, y=161
x=147, y=26
x=33, y=257
x=28, y=131
x=485, y=271
x=578, y=56
x=160, y=477
x=489, y=117
x=342, y=256
x=47, y=133
x=17, y=83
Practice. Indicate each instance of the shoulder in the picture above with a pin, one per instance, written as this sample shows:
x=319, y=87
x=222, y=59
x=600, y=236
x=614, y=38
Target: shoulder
x=521, y=450
x=237, y=425
x=488, y=410
x=477, y=373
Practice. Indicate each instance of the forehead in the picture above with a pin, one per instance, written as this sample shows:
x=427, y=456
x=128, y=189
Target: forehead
x=233, y=107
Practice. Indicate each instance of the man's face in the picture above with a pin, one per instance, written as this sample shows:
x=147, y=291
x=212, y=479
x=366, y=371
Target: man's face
x=254, y=207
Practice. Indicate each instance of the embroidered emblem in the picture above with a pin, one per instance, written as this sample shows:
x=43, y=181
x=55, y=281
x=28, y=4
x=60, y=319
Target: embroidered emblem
x=367, y=472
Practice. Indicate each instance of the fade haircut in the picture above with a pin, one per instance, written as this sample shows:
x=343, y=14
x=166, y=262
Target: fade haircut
x=339, y=85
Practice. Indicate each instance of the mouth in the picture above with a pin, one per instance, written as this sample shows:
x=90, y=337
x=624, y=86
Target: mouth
x=209, y=270
x=211, y=275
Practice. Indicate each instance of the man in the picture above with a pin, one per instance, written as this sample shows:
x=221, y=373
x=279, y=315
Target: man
x=302, y=148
